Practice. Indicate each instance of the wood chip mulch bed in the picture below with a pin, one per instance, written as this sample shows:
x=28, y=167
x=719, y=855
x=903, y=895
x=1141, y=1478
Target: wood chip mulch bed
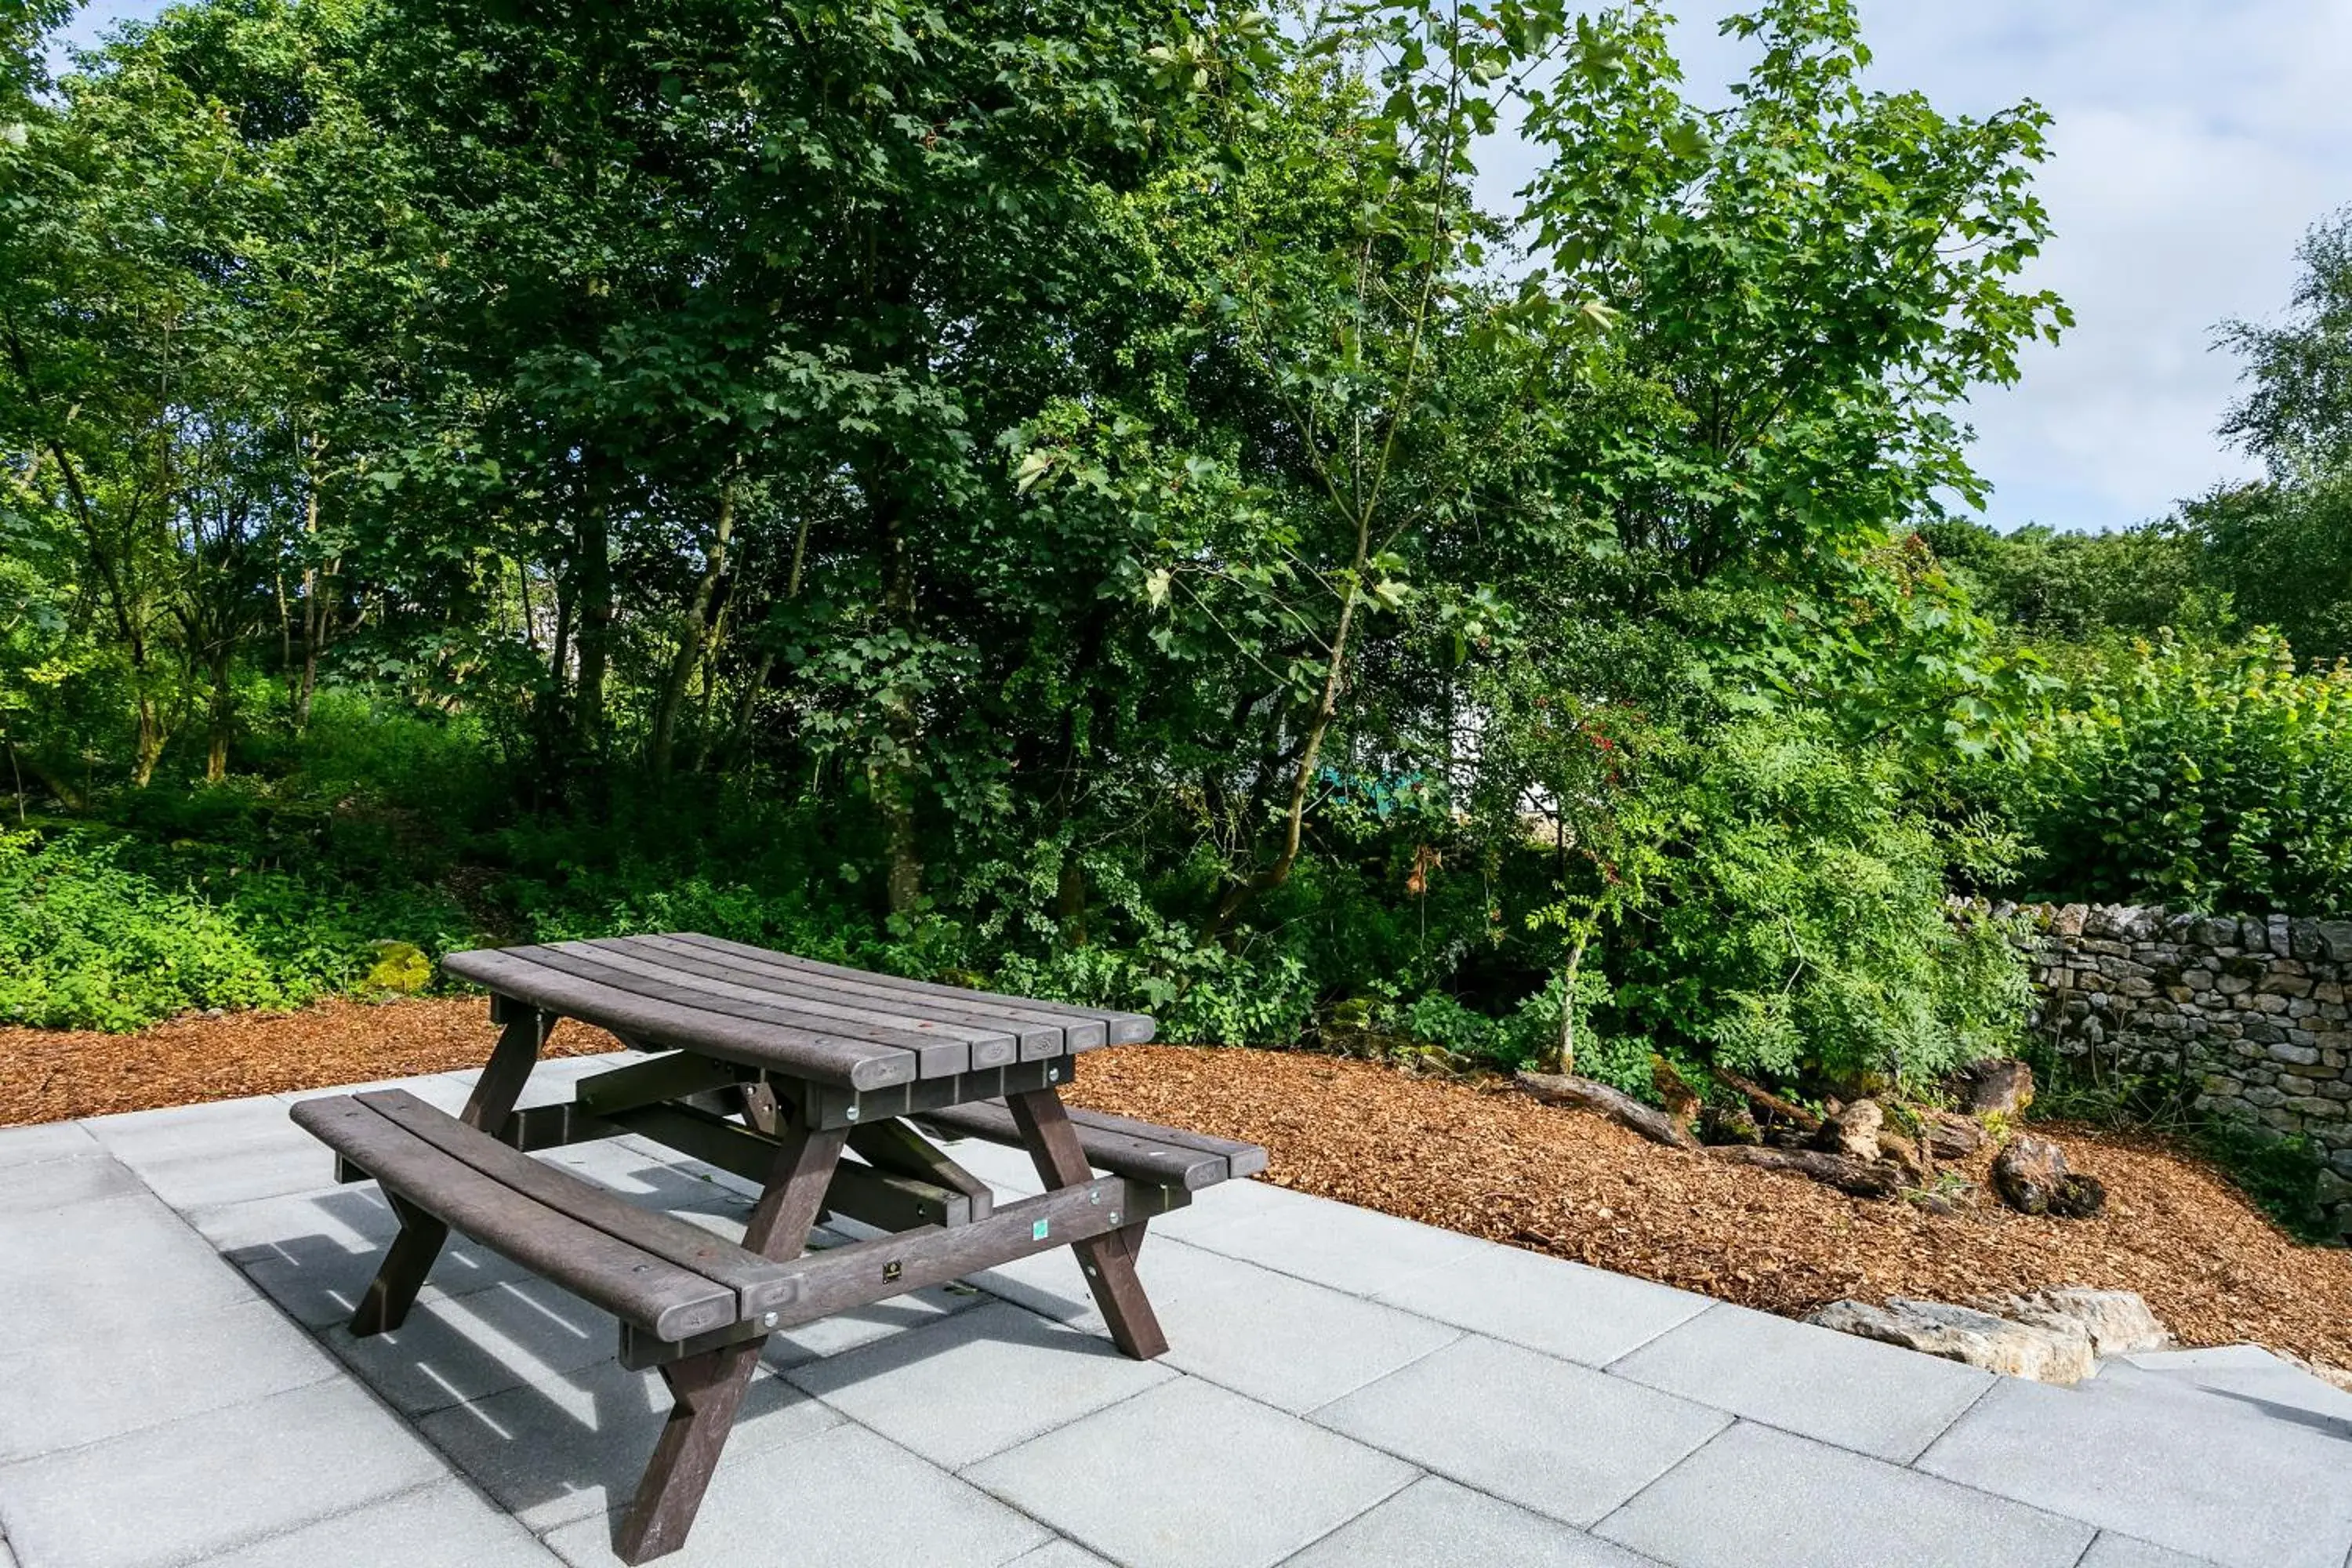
x=1493, y=1162
x=1485, y=1160
x=51, y=1075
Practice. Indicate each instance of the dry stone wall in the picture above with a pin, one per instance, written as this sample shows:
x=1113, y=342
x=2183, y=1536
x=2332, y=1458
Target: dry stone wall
x=2247, y=1016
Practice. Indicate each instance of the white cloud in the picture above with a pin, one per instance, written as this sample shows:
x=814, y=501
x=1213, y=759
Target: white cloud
x=2194, y=142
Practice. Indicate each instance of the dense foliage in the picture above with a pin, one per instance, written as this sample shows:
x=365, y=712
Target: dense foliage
x=1079, y=493
x=2199, y=778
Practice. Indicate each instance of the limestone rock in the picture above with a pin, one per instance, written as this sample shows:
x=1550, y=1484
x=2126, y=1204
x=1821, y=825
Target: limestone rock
x=2031, y=1177
x=1999, y=1088
x=2118, y=1322
x=2334, y=1376
x=1964, y=1334
x=1854, y=1132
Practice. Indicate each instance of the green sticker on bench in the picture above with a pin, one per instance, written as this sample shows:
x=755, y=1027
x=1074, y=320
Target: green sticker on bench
x=1037, y=1231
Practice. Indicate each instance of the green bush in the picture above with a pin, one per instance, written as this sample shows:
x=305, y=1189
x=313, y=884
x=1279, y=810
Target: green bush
x=1795, y=920
x=104, y=931
x=2195, y=777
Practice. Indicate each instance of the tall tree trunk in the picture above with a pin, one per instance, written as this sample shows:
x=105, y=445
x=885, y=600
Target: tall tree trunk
x=318, y=594
x=220, y=720
x=594, y=566
x=701, y=607
x=1302, y=775
x=148, y=735
x=896, y=783
x=739, y=739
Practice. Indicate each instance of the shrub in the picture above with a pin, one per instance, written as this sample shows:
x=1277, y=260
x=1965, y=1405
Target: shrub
x=1795, y=918
x=2196, y=777
x=105, y=932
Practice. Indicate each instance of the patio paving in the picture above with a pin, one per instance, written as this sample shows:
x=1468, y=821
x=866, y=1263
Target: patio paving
x=1344, y=1388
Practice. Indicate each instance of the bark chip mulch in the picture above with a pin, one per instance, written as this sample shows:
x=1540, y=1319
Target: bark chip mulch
x=1488, y=1162
x=51, y=1075
x=1493, y=1162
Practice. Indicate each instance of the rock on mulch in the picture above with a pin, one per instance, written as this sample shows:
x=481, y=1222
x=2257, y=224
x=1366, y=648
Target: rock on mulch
x=1493, y=1162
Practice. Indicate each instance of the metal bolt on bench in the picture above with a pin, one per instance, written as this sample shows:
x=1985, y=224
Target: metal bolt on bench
x=775, y=1069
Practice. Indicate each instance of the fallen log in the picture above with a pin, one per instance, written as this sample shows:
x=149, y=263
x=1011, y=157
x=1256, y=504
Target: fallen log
x=1559, y=1089
x=1873, y=1181
x=1765, y=1101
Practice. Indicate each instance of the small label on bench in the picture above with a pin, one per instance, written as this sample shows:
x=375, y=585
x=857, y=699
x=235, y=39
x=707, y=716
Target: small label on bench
x=1037, y=1231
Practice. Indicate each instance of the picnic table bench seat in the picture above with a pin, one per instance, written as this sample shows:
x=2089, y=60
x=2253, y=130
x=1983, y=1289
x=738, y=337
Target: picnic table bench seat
x=816, y=1082
x=664, y=1275
x=1141, y=1151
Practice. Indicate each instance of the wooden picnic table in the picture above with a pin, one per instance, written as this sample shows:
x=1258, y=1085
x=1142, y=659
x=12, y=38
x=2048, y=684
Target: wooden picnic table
x=822, y=1085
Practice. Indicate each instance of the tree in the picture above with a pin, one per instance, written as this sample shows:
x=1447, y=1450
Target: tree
x=2297, y=417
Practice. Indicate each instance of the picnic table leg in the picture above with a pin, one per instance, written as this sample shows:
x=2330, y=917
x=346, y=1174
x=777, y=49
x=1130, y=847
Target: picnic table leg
x=409, y=1257
x=1108, y=1261
x=708, y=1388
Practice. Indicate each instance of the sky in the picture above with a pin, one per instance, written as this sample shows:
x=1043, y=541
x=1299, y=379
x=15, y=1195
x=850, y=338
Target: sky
x=2194, y=142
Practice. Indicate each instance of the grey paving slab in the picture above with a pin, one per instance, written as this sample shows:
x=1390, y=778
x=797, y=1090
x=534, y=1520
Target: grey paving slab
x=1549, y=1304
x=1006, y=1169
x=1049, y=1284
x=786, y=1509
x=1855, y=1393
x=439, y=1090
x=1134, y=1482
x=1053, y=1555
x=573, y=1447
x=34, y=1186
x=552, y=1078
x=318, y=1283
x=46, y=1141
x=1755, y=1497
x=1550, y=1436
x=1293, y=1344
x=207, y=1484
x=1433, y=1523
x=119, y=1264
x=172, y=1129
x=862, y=1326
x=1228, y=1203
x=82, y=1388
x=1360, y=1251
x=2112, y=1551
x=459, y=1348
x=2238, y=1488
x=214, y=1154
x=977, y=1383
x=448, y=1523
x=2252, y=1377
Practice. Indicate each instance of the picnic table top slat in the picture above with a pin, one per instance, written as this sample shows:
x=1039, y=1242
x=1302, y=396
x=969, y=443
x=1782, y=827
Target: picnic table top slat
x=1120, y=1028
x=934, y=1056
x=995, y=1037
x=1039, y=1034
x=852, y=1064
x=1042, y=1033
x=832, y=1016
